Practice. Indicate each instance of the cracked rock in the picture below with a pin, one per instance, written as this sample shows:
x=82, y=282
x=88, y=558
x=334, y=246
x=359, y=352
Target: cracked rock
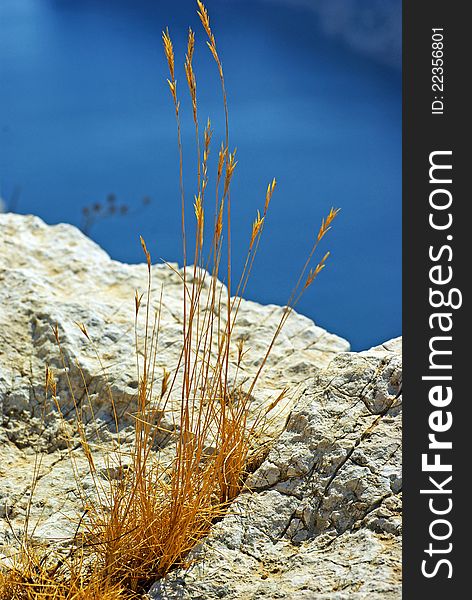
x=54, y=275
x=322, y=516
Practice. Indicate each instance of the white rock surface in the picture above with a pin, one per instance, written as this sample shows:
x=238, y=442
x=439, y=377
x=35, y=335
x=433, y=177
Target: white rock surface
x=55, y=275
x=321, y=516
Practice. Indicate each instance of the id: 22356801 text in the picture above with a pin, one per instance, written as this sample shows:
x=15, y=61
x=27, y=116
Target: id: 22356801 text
x=437, y=71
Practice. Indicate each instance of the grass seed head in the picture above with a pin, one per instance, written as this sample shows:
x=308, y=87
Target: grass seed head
x=204, y=18
x=256, y=228
x=313, y=273
x=200, y=216
x=137, y=301
x=146, y=252
x=83, y=329
x=169, y=53
x=326, y=223
x=222, y=154
x=190, y=74
x=230, y=167
x=269, y=193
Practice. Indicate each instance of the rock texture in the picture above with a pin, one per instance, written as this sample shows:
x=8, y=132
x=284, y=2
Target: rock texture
x=56, y=276
x=321, y=516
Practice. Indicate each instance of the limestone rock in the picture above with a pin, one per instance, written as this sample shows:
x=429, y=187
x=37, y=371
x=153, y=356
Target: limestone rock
x=321, y=518
x=55, y=276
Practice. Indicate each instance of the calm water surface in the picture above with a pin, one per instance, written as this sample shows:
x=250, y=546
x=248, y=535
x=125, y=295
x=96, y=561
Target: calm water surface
x=84, y=111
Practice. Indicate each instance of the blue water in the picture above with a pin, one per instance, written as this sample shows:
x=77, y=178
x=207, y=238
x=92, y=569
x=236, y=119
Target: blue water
x=84, y=111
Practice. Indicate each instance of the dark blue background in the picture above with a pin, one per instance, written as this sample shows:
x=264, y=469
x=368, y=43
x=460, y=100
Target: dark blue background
x=315, y=100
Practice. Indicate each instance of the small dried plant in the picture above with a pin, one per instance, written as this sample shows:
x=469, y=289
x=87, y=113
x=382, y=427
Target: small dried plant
x=140, y=525
x=97, y=211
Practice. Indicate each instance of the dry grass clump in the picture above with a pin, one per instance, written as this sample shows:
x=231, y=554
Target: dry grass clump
x=36, y=575
x=142, y=523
